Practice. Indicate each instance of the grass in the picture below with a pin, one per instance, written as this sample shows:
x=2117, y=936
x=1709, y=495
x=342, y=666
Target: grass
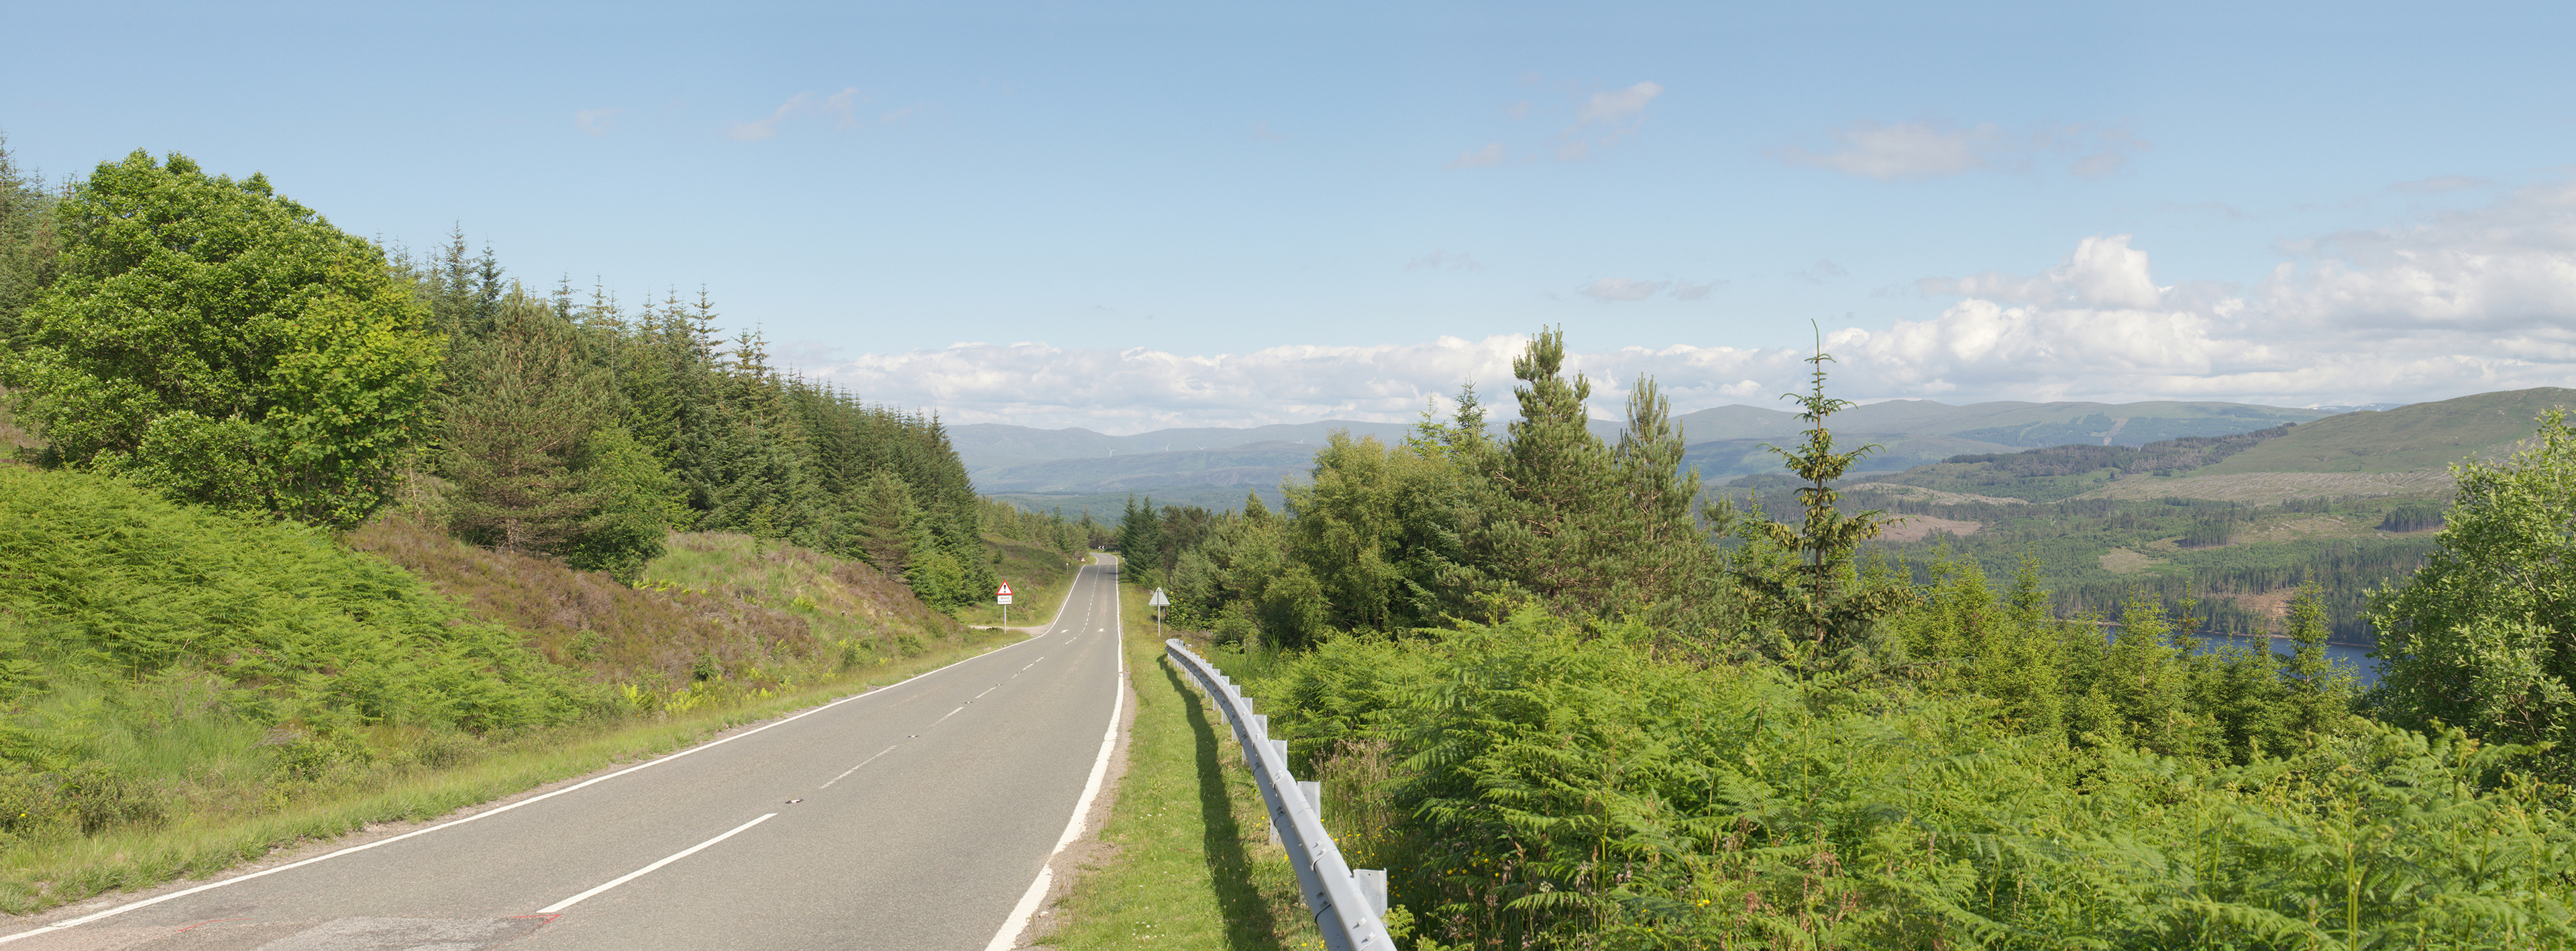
x=1188, y=861
x=2259, y=488
x=2406, y=439
x=1039, y=576
x=36, y=876
x=131, y=775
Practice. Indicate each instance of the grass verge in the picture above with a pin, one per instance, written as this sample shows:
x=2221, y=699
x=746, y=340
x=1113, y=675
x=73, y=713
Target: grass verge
x=1188, y=861
x=1039, y=578
x=42, y=875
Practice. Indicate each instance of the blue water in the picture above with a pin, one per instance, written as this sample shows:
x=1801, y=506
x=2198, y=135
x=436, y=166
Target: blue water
x=2356, y=660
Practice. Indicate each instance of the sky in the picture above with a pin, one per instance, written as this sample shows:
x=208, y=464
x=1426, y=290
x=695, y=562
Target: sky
x=1132, y=216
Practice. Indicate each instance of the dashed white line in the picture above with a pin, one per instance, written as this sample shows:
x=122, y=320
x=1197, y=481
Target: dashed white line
x=845, y=774
x=639, y=873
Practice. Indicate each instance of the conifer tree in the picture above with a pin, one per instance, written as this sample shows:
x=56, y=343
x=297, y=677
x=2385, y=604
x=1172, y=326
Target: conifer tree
x=523, y=407
x=1818, y=599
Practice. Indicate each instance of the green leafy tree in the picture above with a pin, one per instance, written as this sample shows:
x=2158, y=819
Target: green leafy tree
x=225, y=345
x=2483, y=637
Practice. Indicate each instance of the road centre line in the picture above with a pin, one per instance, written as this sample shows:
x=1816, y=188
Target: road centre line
x=640, y=873
x=210, y=886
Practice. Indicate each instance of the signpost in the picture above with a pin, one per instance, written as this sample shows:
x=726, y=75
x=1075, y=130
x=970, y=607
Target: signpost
x=1003, y=598
x=1158, y=603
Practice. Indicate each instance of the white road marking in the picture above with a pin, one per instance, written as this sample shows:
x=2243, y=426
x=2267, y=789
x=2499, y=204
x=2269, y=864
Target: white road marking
x=236, y=880
x=845, y=774
x=1027, y=908
x=640, y=873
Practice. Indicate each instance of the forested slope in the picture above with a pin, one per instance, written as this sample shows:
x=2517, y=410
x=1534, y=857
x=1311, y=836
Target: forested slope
x=301, y=534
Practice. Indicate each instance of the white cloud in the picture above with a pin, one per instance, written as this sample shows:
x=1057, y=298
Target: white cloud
x=596, y=121
x=2438, y=185
x=1820, y=272
x=1622, y=288
x=1441, y=260
x=1490, y=155
x=1920, y=150
x=1619, y=105
x=1685, y=290
x=1125, y=391
x=2454, y=303
x=841, y=105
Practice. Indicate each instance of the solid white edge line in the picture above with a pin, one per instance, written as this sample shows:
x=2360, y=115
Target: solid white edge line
x=1027, y=908
x=238, y=879
x=641, y=872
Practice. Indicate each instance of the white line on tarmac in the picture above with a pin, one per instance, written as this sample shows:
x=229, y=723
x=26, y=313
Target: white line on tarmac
x=238, y=879
x=1027, y=908
x=640, y=873
x=845, y=774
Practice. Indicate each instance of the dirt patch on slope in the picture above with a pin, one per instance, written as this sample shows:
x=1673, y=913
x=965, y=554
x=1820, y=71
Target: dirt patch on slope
x=1915, y=528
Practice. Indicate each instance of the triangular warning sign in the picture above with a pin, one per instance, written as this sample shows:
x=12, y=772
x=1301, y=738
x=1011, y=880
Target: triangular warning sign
x=1006, y=588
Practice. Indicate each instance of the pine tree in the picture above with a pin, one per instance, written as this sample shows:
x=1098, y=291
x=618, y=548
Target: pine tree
x=1818, y=598
x=523, y=405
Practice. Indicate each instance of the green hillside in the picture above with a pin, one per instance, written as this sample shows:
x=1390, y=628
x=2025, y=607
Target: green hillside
x=1727, y=458
x=2405, y=439
x=1259, y=464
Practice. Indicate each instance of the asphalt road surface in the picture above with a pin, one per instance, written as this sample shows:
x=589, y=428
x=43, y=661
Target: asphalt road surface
x=915, y=816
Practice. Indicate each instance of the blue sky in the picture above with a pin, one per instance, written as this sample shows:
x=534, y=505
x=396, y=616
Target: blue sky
x=1144, y=215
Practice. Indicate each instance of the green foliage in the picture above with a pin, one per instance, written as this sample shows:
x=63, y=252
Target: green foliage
x=224, y=345
x=30, y=240
x=2480, y=637
x=523, y=408
x=633, y=503
x=1559, y=790
x=113, y=583
x=1824, y=610
x=2412, y=518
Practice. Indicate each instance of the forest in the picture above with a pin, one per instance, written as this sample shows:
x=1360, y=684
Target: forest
x=1570, y=702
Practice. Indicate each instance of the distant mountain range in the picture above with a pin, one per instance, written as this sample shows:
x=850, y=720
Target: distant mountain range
x=1081, y=470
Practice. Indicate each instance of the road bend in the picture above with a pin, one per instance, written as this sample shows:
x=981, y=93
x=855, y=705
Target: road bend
x=914, y=816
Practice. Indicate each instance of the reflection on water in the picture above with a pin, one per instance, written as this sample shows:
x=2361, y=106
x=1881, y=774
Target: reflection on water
x=2355, y=660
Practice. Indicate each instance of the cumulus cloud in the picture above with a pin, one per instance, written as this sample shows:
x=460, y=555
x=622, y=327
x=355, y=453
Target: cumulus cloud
x=2454, y=303
x=1918, y=150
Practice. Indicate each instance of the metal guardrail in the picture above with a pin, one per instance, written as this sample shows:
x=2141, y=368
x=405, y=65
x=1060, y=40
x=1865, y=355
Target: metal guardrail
x=1347, y=904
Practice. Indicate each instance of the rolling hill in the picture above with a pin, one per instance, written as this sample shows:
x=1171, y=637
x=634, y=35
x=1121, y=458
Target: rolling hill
x=1082, y=470
x=2422, y=436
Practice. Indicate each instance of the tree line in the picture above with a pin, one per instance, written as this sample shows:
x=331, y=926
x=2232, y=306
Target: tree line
x=230, y=347
x=1571, y=704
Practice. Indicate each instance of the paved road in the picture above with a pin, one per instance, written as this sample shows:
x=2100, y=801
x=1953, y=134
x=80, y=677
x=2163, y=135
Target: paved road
x=912, y=817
